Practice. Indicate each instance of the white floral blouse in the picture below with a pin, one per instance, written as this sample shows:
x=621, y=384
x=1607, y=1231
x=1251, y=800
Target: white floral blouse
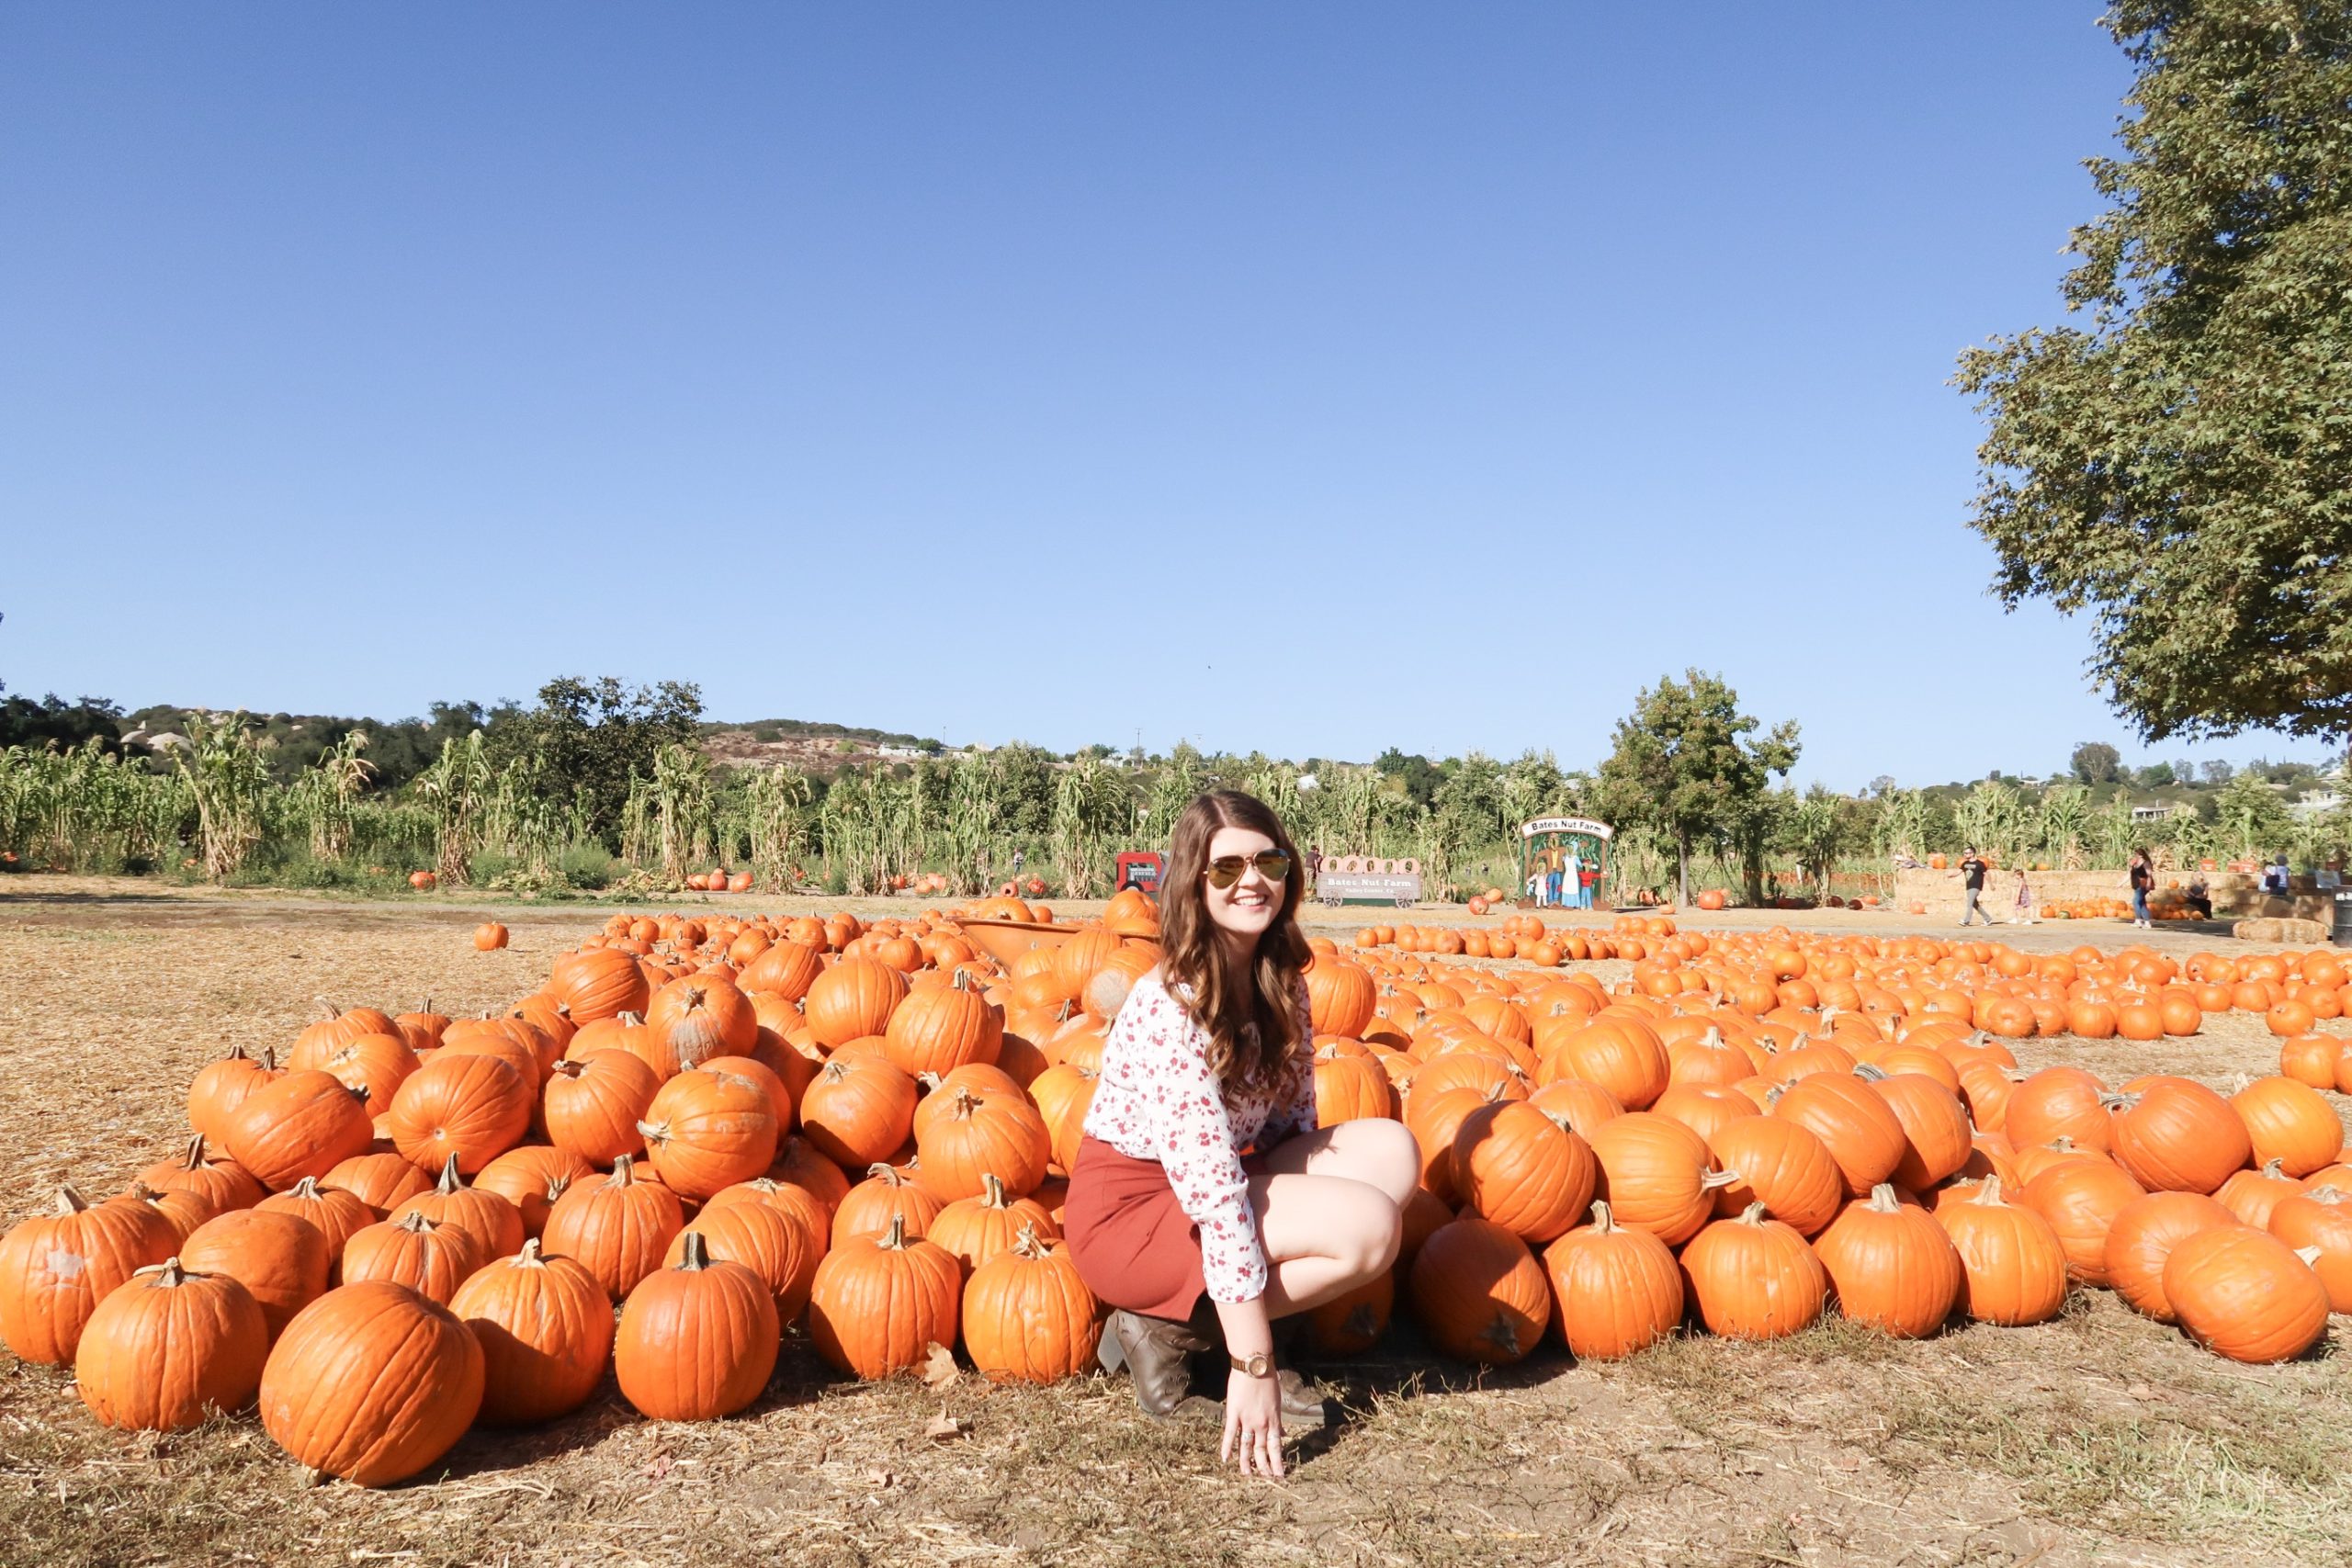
x=1156, y=1100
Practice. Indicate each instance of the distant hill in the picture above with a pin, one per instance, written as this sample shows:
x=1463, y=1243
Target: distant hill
x=810, y=746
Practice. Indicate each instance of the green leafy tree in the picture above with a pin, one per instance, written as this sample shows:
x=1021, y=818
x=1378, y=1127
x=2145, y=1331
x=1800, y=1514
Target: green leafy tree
x=2180, y=465
x=593, y=735
x=2096, y=762
x=1689, y=766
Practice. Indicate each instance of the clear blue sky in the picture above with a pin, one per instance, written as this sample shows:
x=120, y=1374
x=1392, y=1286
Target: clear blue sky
x=1305, y=377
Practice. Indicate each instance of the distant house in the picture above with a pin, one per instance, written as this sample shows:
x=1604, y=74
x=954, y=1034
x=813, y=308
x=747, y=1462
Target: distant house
x=2155, y=813
x=2316, y=802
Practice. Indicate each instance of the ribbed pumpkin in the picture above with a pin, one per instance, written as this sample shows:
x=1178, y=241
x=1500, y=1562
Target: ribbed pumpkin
x=2321, y=1221
x=878, y=1302
x=1347, y=1088
x=374, y=1065
x=1934, y=1126
x=223, y=1184
x=281, y=1260
x=853, y=999
x=858, y=1110
x=2244, y=1294
x=598, y=983
x=785, y=969
x=1704, y=1108
x=2289, y=1122
x=697, y=1017
x=709, y=1128
x=337, y=1214
x=184, y=1210
x=2013, y=1268
x=697, y=1340
x=431, y=1257
x=888, y=1196
x=302, y=1123
x=2174, y=1135
x=1622, y=1056
x=618, y=1227
x=1351, y=1324
x=976, y=1228
x=1480, y=1294
x=546, y=1331
x=1026, y=1315
x=1859, y=1129
x=1614, y=1290
x=796, y=1203
x=977, y=1134
x=55, y=1269
x=798, y=1164
x=1654, y=1175
x=532, y=1178
x=1582, y=1105
x=1754, y=1278
x=1891, y=1265
x=2251, y=1195
x=493, y=1220
x=2079, y=1198
x=169, y=1347
x=592, y=1104
x=2145, y=1233
x=220, y=1087
x=470, y=1107
x=1781, y=1165
x=1340, y=998
x=940, y=1029
x=2059, y=1102
x=338, y=1027
x=778, y=1243
x=381, y=1180
x=372, y=1382
x=1516, y=1165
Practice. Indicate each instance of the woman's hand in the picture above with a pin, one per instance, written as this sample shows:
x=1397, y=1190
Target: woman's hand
x=1253, y=1423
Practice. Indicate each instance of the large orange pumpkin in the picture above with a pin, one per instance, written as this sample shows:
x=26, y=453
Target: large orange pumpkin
x=372, y=1382
x=2242, y=1293
x=546, y=1330
x=1480, y=1295
x=1614, y=1290
x=697, y=1339
x=1026, y=1315
x=2177, y=1135
x=56, y=1268
x=708, y=1129
x=472, y=1107
x=300, y=1124
x=878, y=1303
x=1754, y=1278
x=168, y=1348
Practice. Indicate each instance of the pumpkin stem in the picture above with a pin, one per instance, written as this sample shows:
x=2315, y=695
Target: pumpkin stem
x=569, y=1067
x=1715, y=1178
x=895, y=1239
x=2275, y=1171
x=632, y=1021
x=171, y=1274
x=194, y=1160
x=694, y=1252
x=1026, y=1244
x=2330, y=1194
x=1884, y=1201
x=885, y=1173
x=991, y=1191
x=449, y=1182
x=530, y=1256
x=70, y=1201
x=1989, y=1190
x=1603, y=1221
x=269, y=1059
x=306, y=1188
x=1751, y=1215
x=415, y=1219
x=1870, y=1072
x=622, y=1172
x=966, y=1103
x=2309, y=1255
x=653, y=1132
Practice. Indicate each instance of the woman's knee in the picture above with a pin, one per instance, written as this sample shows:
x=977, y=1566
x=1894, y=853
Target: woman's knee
x=1385, y=1154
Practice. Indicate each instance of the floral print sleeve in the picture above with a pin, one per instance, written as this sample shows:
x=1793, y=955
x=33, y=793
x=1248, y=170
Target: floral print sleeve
x=1156, y=1100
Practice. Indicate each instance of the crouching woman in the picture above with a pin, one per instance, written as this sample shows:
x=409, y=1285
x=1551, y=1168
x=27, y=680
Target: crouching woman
x=1213, y=1055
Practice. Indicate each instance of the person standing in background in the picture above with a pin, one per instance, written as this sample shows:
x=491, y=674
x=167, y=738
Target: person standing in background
x=1314, y=866
x=1972, y=873
x=2025, y=914
x=2143, y=879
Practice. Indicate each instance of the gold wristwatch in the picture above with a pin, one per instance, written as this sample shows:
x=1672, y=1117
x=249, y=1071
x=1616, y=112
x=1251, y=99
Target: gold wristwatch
x=1258, y=1364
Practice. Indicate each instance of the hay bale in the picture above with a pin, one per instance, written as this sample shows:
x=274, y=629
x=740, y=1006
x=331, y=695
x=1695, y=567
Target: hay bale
x=2280, y=930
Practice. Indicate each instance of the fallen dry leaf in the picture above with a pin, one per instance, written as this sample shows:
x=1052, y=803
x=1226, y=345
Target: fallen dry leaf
x=939, y=1367
x=944, y=1428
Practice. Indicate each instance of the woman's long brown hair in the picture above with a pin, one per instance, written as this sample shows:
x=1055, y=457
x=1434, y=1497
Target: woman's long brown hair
x=1192, y=951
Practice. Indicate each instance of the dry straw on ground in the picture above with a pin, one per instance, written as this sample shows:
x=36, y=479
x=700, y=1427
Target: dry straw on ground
x=2100, y=1438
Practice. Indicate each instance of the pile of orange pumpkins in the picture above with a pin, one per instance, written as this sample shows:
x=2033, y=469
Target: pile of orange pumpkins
x=698, y=1133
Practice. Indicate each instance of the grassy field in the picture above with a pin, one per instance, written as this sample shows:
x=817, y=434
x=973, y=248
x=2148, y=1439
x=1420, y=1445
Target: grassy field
x=2100, y=1438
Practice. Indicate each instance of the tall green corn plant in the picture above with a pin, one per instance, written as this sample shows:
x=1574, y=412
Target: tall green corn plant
x=777, y=820
x=2065, y=821
x=2113, y=833
x=1991, y=817
x=1181, y=782
x=456, y=789
x=682, y=808
x=974, y=831
x=326, y=797
x=1092, y=813
x=225, y=771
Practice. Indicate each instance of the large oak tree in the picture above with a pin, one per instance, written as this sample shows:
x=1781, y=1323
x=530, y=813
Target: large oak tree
x=2178, y=467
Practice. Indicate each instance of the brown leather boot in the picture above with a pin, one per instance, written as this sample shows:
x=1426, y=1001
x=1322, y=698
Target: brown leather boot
x=1303, y=1406
x=1158, y=1355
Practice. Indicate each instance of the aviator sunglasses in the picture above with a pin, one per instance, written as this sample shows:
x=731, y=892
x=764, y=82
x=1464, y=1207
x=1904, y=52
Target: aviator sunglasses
x=1225, y=870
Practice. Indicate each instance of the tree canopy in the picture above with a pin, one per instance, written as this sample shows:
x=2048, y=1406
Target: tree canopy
x=2180, y=466
x=1682, y=765
x=589, y=736
x=2096, y=762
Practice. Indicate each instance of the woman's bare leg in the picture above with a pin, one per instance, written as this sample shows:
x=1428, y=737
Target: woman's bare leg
x=1378, y=1152
x=1323, y=1235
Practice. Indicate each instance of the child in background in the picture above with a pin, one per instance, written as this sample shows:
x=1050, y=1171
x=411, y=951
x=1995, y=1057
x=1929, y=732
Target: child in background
x=2025, y=914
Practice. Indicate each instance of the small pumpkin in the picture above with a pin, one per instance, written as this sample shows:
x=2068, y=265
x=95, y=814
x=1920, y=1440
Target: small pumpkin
x=697, y=1339
x=170, y=1347
x=617, y=1228
x=546, y=1330
x=1026, y=1315
x=55, y=1269
x=1614, y=1290
x=372, y=1382
x=878, y=1303
x=1754, y=1278
x=280, y=1258
x=1480, y=1294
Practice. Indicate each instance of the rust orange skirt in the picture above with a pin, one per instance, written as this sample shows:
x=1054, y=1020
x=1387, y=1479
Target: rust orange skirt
x=1133, y=1245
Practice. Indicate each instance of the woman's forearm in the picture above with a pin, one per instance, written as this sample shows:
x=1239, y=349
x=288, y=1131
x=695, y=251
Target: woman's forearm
x=1247, y=1327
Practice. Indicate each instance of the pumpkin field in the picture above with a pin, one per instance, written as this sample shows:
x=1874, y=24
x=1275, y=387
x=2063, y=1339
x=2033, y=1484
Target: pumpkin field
x=405, y=1234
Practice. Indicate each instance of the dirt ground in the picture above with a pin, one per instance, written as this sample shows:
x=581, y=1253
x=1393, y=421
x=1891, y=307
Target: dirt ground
x=2100, y=1438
